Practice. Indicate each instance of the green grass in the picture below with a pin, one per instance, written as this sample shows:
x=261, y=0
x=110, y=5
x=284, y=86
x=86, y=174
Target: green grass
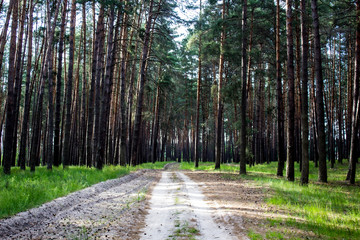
x=23, y=190
x=330, y=211
x=184, y=231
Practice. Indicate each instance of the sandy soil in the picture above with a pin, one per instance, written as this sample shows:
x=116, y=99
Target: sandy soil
x=178, y=211
x=241, y=201
x=242, y=204
x=109, y=210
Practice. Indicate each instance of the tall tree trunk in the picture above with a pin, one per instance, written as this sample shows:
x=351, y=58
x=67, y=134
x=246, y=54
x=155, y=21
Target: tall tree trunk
x=84, y=89
x=106, y=94
x=130, y=90
x=10, y=110
x=198, y=93
x=290, y=174
x=249, y=87
x=140, y=99
x=48, y=73
x=100, y=32
x=20, y=55
x=220, y=106
x=356, y=103
x=66, y=149
x=25, y=123
x=280, y=106
x=243, y=92
x=123, y=149
x=321, y=142
x=59, y=79
x=304, y=96
x=90, y=125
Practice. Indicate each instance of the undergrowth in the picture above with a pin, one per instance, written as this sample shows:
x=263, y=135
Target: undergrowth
x=329, y=210
x=23, y=190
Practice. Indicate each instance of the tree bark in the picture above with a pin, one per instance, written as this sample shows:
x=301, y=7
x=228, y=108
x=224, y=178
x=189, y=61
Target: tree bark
x=220, y=106
x=90, y=125
x=243, y=92
x=106, y=94
x=198, y=93
x=66, y=148
x=280, y=106
x=321, y=142
x=290, y=174
x=18, y=78
x=140, y=98
x=304, y=96
x=59, y=79
x=25, y=123
x=156, y=120
x=356, y=103
x=10, y=110
x=84, y=90
x=49, y=74
x=123, y=107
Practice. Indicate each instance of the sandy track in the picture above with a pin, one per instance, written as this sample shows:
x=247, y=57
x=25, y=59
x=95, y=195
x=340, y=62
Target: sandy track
x=178, y=211
x=102, y=211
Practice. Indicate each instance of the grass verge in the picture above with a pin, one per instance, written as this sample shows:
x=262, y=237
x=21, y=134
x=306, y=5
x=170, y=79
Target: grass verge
x=23, y=190
x=329, y=211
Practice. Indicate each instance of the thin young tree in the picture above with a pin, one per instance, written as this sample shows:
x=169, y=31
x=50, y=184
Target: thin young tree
x=280, y=105
x=198, y=93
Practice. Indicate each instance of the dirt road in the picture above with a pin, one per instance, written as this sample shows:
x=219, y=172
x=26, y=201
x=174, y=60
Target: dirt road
x=178, y=211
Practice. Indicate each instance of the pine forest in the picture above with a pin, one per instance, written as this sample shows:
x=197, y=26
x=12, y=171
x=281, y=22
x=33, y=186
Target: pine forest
x=256, y=102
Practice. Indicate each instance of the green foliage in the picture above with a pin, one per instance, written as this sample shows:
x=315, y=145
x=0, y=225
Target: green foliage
x=23, y=190
x=330, y=211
